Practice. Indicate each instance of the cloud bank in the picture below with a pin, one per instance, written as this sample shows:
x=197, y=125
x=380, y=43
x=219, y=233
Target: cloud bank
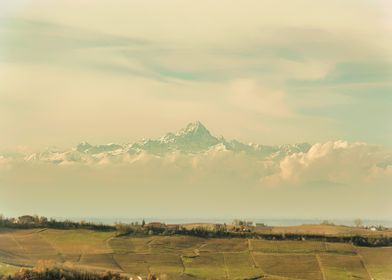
x=334, y=179
x=331, y=163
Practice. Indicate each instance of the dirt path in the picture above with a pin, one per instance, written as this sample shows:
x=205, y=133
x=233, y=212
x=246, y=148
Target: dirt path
x=226, y=268
x=17, y=243
x=249, y=245
x=23, y=249
x=40, y=230
x=364, y=265
x=51, y=245
x=150, y=241
x=116, y=263
x=201, y=246
x=107, y=243
x=182, y=264
x=250, y=250
x=17, y=265
x=79, y=258
x=321, y=267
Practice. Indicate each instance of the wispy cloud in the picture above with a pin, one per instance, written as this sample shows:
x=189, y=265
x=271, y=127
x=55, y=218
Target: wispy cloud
x=36, y=42
x=179, y=62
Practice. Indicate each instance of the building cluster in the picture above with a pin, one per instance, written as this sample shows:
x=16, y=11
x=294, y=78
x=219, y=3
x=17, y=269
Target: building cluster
x=161, y=226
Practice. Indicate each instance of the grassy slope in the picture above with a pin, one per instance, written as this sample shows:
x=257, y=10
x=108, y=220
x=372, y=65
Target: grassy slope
x=180, y=257
x=327, y=230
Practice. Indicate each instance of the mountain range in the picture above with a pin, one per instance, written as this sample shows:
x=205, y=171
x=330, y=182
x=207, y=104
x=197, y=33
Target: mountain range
x=194, y=139
x=194, y=154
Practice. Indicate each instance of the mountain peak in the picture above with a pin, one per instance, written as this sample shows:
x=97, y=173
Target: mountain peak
x=194, y=128
x=195, y=124
x=194, y=137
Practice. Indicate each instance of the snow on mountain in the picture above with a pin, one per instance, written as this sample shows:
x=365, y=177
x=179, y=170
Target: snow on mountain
x=58, y=157
x=195, y=138
x=86, y=148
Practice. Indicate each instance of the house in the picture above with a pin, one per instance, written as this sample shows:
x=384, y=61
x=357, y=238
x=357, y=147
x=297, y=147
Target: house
x=219, y=227
x=261, y=225
x=243, y=223
x=155, y=225
x=173, y=227
x=249, y=223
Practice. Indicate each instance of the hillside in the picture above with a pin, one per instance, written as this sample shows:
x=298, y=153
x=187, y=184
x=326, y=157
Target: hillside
x=188, y=257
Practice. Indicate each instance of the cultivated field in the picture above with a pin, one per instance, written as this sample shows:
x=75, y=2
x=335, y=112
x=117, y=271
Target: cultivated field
x=335, y=230
x=186, y=257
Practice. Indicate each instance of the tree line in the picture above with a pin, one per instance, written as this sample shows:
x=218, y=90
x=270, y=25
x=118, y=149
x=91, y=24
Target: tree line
x=35, y=221
x=50, y=273
x=220, y=231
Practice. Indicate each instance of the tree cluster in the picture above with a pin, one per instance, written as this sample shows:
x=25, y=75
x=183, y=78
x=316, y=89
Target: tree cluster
x=36, y=221
x=62, y=274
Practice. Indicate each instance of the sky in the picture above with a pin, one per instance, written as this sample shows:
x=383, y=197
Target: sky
x=268, y=72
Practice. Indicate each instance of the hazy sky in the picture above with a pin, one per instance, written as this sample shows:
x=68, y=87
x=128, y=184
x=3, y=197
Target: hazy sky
x=262, y=71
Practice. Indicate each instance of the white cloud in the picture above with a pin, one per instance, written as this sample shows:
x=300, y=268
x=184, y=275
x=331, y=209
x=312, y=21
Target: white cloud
x=330, y=163
x=335, y=162
x=217, y=181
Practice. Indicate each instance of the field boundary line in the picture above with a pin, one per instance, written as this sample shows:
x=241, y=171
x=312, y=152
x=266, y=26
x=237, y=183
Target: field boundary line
x=50, y=244
x=199, y=248
x=41, y=230
x=150, y=241
x=20, y=246
x=56, y=250
x=256, y=265
x=107, y=240
x=249, y=245
x=321, y=266
x=364, y=265
x=226, y=268
x=183, y=265
x=116, y=262
x=17, y=265
x=79, y=258
x=282, y=254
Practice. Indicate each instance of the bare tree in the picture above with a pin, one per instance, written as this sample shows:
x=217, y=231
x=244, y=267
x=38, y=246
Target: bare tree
x=358, y=222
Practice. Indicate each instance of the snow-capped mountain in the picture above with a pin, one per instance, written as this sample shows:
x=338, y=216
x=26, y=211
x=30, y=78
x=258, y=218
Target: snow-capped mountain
x=196, y=154
x=194, y=139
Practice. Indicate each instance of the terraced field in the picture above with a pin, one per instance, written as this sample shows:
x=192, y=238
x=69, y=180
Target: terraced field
x=185, y=257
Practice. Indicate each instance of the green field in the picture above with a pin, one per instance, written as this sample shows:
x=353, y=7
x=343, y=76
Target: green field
x=186, y=257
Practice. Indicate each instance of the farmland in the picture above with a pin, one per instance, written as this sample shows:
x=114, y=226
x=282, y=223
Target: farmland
x=191, y=257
